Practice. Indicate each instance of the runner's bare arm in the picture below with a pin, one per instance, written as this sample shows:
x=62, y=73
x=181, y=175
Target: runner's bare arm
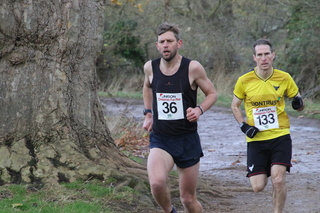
x=147, y=91
x=235, y=107
x=147, y=96
x=198, y=77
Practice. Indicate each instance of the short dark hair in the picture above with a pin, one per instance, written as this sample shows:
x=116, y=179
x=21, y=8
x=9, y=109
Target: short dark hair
x=166, y=27
x=261, y=42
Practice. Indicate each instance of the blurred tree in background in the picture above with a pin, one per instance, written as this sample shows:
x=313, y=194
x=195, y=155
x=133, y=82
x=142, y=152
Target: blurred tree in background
x=219, y=34
x=302, y=46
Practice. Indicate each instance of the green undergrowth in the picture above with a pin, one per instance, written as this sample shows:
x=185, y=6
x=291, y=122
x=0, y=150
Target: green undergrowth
x=78, y=197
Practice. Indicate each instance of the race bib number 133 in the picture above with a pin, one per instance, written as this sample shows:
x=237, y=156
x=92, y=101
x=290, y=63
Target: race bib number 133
x=265, y=118
x=170, y=106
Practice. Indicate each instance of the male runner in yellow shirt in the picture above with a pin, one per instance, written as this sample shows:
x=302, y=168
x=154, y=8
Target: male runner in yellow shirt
x=267, y=127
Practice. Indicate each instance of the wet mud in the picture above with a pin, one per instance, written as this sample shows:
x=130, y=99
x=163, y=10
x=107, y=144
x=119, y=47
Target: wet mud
x=224, y=161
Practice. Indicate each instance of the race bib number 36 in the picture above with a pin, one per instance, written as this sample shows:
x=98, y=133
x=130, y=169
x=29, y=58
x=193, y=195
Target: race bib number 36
x=170, y=106
x=265, y=118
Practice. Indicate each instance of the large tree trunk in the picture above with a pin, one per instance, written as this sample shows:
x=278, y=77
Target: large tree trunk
x=52, y=127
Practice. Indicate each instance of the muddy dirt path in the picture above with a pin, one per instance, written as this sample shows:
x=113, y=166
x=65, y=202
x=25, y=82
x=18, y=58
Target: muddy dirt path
x=224, y=163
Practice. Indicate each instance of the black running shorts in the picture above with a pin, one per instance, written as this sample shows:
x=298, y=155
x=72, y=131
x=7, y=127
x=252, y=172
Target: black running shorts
x=261, y=155
x=185, y=149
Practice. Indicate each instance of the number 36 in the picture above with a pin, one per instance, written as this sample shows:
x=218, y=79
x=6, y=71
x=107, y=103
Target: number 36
x=170, y=108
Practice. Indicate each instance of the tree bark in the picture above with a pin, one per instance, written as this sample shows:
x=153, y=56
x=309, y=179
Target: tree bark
x=52, y=127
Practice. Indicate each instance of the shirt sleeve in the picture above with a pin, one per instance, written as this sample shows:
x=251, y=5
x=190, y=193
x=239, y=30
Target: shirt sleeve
x=292, y=88
x=239, y=90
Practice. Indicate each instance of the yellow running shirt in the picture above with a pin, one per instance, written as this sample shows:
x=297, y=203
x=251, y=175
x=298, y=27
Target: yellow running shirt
x=265, y=103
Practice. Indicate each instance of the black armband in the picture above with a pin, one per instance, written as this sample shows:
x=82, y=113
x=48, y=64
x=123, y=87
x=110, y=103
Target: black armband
x=297, y=102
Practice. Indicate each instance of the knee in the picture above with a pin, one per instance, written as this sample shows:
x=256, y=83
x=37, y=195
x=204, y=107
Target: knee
x=157, y=185
x=258, y=188
x=258, y=182
x=188, y=200
x=278, y=182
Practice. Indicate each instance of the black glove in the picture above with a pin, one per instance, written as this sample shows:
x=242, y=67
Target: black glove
x=297, y=102
x=250, y=131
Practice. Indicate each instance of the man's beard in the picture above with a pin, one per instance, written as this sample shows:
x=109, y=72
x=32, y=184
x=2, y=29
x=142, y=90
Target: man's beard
x=170, y=57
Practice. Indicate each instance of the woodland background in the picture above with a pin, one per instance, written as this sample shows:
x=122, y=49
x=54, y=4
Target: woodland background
x=53, y=128
x=219, y=34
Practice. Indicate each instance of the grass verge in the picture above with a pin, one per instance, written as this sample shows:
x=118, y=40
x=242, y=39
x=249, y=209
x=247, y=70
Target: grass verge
x=77, y=197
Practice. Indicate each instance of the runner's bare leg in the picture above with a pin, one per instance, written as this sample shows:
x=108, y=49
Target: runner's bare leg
x=159, y=165
x=258, y=182
x=279, y=194
x=188, y=178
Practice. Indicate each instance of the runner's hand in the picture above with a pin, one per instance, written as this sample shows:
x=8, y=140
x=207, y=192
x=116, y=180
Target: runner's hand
x=193, y=114
x=297, y=103
x=148, y=122
x=250, y=131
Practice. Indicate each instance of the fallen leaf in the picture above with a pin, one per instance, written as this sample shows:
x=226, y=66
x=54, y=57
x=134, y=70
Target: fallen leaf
x=15, y=205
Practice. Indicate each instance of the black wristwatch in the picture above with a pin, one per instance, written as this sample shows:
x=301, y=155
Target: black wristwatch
x=145, y=111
